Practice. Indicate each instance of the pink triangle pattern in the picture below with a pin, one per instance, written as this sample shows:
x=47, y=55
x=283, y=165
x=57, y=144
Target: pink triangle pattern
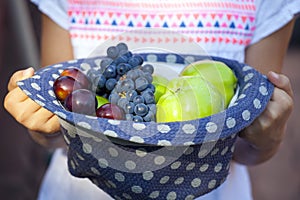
x=210, y=21
x=166, y=39
x=169, y=20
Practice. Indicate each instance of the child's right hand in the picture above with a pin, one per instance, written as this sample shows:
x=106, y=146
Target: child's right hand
x=26, y=111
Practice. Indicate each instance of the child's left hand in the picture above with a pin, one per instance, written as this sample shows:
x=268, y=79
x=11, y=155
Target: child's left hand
x=265, y=134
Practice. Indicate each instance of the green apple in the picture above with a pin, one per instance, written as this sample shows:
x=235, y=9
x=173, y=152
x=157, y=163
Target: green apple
x=188, y=98
x=101, y=101
x=218, y=73
x=160, y=84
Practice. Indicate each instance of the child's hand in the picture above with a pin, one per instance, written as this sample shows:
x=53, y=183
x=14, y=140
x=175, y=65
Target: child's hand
x=25, y=110
x=265, y=134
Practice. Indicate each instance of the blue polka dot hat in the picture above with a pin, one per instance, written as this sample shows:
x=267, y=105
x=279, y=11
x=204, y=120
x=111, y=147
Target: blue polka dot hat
x=175, y=160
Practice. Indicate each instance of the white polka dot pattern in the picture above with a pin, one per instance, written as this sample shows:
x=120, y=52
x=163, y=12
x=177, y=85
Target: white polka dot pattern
x=119, y=177
x=171, y=58
x=148, y=175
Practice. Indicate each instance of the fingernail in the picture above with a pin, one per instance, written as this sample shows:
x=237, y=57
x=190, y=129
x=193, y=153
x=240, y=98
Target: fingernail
x=274, y=74
x=28, y=72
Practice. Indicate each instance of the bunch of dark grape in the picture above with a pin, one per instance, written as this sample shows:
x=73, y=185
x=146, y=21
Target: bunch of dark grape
x=126, y=82
x=134, y=93
x=119, y=61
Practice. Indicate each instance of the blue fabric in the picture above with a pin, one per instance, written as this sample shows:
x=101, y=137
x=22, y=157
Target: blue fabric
x=176, y=160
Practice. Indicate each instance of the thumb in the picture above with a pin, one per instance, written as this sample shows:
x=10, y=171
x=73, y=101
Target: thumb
x=281, y=81
x=18, y=76
x=27, y=73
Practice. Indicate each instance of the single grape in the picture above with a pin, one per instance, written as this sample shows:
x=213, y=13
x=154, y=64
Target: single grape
x=129, y=108
x=148, y=68
x=110, y=83
x=110, y=71
x=141, y=109
x=148, y=97
x=122, y=68
x=112, y=52
x=138, y=99
x=137, y=118
x=148, y=76
x=131, y=94
x=140, y=72
x=141, y=83
x=122, y=46
x=126, y=85
x=132, y=74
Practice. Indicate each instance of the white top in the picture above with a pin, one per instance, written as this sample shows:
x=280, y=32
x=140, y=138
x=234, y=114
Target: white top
x=262, y=21
x=222, y=28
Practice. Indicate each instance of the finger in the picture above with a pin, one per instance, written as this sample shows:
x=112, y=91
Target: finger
x=21, y=110
x=33, y=116
x=15, y=97
x=46, y=122
x=281, y=81
x=53, y=125
x=281, y=102
x=19, y=105
x=18, y=76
